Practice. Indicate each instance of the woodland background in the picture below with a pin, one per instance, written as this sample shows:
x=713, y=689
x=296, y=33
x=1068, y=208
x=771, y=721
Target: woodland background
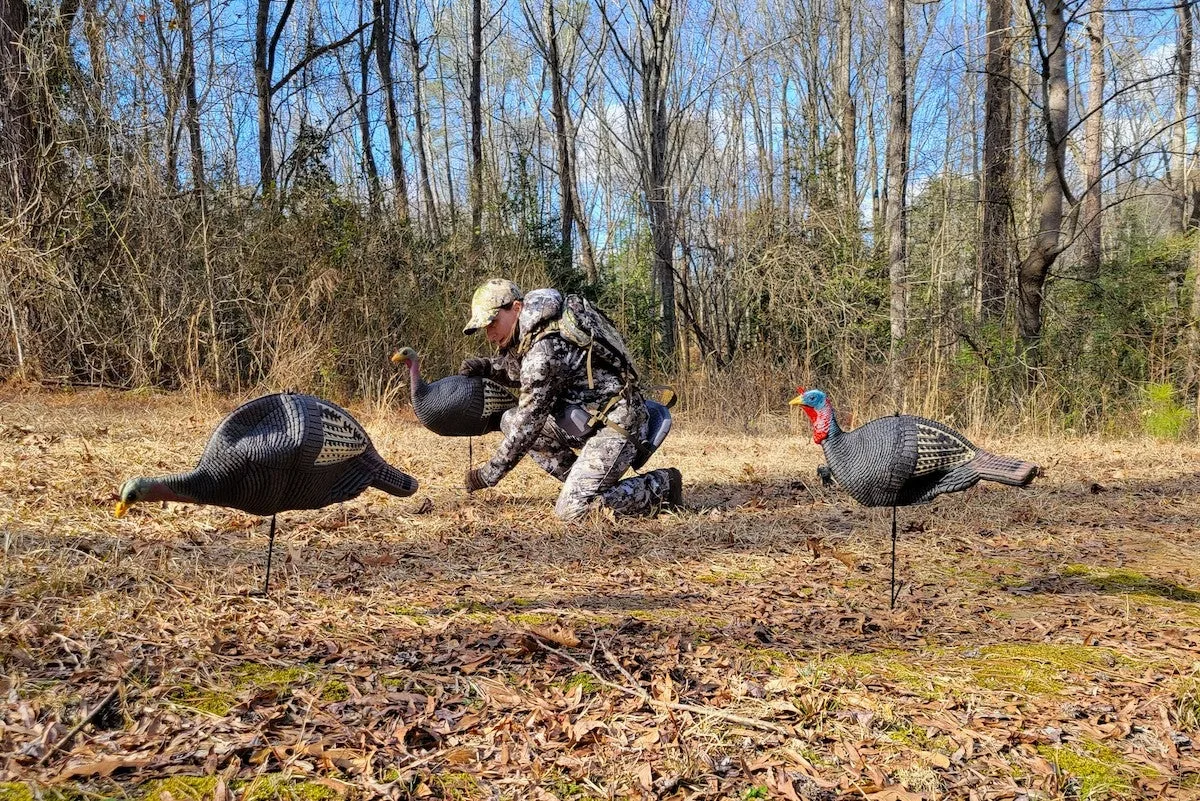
x=985, y=211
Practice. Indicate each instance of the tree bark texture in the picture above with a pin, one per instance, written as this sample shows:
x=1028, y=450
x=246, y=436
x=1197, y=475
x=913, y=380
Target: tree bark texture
x=1031, y=276
x=655, y=74
x=897, y=169
x=432, y=223
x=1177, y=172
x=1092, y=255
x=847, y=122
x=264, y=60
x=996, y=248
x=391, y=118
x=191, y=109
x=561, y=138
x=369, y=165
x=475, y=101
x=18, y=145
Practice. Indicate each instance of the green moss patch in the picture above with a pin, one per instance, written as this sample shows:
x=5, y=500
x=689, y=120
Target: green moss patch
x=1035, y=668
x=416, y=614
x=456, y=786
x=901, y=668
x=251, y=675
x=15, y=791
x=1122, y=580
x=180, y=788
x=276, y=787
x=202, y=699
x=1096, y=771
x=531, y=618
x=254, y=674
x=334, y=690
x=903, y=732
x=20, y=791
x=585, y=680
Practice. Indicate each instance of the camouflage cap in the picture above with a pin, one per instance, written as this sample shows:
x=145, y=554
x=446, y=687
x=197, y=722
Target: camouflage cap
x=489, y=299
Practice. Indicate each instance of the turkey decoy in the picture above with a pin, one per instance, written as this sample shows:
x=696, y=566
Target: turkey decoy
x=274, y=454
x=457, y=405
x=903, y=460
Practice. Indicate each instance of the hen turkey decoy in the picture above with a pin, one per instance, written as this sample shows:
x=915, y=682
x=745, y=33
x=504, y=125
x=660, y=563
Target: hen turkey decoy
x=274, y=454
x=903, y=460
x=457, y=405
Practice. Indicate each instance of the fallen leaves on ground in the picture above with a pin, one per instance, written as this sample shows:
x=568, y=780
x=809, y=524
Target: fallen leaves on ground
x=1044, y=645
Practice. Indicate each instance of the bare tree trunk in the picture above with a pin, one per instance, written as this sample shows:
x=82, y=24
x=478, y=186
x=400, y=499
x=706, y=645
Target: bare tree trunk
x=1192, y=373
x=264, y=61
x=587, y=252
x=786, y=148
x=18, y=143
x=656, y=70
x=383, y=58
x=369, y=165
x=847, y=123
x=1093, y=148
x=433, y=225
x=172, y=84
x=1031, y=277
x=1177, y=166
x=562, y=141
x=191, y=113
x=878, y=198
x=265, y=86
x=897, y=182
x=475, y=100
x=995, y=250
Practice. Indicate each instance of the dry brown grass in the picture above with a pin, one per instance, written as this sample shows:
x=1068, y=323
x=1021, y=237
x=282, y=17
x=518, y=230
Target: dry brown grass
x=1044, y=644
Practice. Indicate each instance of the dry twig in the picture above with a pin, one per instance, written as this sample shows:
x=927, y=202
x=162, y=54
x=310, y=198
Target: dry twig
x=88, y=718
x=638, y=692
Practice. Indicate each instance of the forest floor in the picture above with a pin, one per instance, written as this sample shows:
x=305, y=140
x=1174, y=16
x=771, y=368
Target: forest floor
x=1045, y=643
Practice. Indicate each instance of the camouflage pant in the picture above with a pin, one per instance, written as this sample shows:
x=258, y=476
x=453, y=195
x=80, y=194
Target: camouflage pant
x=596, y=471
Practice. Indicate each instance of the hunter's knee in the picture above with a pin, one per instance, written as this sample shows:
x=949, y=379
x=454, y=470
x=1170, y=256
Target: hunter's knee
x=571, y=509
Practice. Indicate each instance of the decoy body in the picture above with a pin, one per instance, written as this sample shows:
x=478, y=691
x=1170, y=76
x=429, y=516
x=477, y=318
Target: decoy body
x=902, y=460
x=277, y=453
x=457, y=405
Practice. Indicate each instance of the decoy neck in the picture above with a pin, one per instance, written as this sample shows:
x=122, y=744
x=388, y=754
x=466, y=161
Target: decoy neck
x=178, y=487
x=820, y=413
x=409, y=357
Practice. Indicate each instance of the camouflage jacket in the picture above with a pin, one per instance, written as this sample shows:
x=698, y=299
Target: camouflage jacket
x=552, y=374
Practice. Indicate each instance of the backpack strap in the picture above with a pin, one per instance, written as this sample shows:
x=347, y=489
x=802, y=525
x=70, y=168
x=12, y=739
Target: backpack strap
x=602, y=416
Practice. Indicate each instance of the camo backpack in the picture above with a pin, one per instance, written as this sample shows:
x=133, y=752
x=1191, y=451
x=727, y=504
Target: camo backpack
x=583, y=324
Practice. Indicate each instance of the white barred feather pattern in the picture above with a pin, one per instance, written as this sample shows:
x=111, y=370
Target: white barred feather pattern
x=495, y=398
x=342, y=439
x=939, y=450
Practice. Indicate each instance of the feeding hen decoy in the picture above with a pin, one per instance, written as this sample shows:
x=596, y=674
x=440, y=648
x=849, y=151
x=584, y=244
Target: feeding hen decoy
x=457, y=405
x=903, y=460
x=275, y=454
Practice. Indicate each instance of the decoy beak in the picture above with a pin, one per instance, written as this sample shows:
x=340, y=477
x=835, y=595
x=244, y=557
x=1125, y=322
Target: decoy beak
x=121, y=508
x=797, y=401
x=399, y=358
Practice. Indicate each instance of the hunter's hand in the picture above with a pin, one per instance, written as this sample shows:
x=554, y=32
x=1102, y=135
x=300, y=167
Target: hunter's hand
x=475, y=365
x=474, y=480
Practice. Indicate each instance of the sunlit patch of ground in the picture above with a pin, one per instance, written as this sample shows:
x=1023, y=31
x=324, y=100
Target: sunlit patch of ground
x=1045, y=643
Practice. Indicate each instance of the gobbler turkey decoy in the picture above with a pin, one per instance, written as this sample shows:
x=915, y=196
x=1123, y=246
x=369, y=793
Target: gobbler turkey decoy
x=457, y=405
x=903, y=460
x=274, y=454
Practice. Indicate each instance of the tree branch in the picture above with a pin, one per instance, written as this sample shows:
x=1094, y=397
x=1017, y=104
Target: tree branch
x=317, y=53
